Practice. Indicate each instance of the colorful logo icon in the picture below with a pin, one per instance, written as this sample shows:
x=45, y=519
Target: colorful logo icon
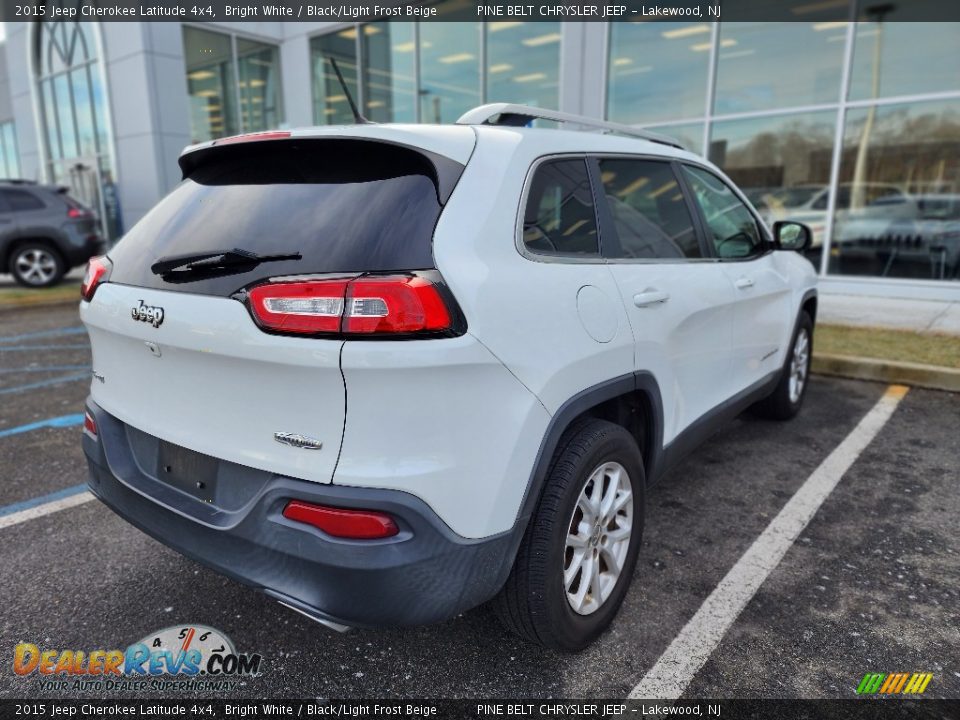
x=894, y=683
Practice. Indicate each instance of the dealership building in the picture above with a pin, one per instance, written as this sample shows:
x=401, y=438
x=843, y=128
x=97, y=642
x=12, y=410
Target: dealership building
x=843, y=115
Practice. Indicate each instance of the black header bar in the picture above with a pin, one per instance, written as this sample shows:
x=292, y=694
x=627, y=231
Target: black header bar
x=490, y=10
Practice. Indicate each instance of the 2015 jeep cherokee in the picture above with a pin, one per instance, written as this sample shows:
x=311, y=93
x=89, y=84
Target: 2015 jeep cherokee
x=386, y=373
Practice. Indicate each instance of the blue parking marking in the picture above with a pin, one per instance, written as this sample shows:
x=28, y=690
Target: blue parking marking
x=46, y=368
x=27, y=348
x=72, y=330
x=33, y=502
x=55, y=422
x=45, y=383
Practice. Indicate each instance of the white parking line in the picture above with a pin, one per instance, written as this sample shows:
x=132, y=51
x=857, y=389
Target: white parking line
x=680, y=662
x=47, y=508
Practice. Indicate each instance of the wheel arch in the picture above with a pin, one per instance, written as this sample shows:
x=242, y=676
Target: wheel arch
x=632, y=401
x=809, y=304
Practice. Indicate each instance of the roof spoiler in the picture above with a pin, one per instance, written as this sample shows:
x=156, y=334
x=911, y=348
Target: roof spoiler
x=446, y=172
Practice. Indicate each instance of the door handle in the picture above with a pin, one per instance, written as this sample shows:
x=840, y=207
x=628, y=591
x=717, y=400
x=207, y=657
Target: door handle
x=744, y=283
x=650, y=297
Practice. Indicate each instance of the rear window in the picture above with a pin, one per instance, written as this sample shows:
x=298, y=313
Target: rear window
x=21, y=200
x=342, y=205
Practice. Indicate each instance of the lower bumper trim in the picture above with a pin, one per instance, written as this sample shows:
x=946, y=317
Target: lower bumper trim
x=424, y=574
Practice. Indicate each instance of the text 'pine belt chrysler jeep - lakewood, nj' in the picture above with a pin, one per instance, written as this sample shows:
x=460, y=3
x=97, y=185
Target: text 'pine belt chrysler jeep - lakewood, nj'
x=386, y=373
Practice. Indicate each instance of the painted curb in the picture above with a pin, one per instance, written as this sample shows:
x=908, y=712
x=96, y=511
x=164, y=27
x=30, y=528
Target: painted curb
x=888, y=371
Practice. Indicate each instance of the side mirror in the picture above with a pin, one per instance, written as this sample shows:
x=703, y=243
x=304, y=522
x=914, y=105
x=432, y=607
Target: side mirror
x=789, y=235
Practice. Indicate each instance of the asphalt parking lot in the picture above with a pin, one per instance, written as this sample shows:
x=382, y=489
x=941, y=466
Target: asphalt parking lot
x=871, y=585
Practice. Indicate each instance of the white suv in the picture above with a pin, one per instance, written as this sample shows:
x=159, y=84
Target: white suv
x=385, y=373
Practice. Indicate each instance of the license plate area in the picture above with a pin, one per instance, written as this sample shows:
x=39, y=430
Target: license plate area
x=187, y=470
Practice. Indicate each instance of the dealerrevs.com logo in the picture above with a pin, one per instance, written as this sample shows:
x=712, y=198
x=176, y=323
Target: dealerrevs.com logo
x=894, y=683
x=180, y=657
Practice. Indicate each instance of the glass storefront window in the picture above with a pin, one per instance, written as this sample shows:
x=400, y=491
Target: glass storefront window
x=449, y=70
x=211, y=83
x=64, y=105
x=690, y=135
x=767, y=65
x=523, y=63
x=258, y=66
x=84, y=112
x=50, y=121
x=330, y=105
x=99, y=97
x=388, y=56
x=782, y=165
x=898, y=203
x=657, y=71
x=72, y=113
x=9, y=157
x=895, y=55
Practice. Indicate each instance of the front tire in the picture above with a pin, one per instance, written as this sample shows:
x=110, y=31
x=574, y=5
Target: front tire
x=785, y=401
x=37, y=265
x=577, y=558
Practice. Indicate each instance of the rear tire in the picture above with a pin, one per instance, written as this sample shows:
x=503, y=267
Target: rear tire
x=785, y=401
x=565, y=588
x=36, y=264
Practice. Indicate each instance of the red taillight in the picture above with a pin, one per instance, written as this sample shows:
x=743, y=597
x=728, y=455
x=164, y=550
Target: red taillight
x=89, y=425
x=77, y=213
x=342, y=523
x=98, y=272
x=394, y=304
x=253, y=137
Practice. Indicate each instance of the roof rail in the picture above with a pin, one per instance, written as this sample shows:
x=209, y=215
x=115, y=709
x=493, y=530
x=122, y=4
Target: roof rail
x=18, y=181
x=512, y=115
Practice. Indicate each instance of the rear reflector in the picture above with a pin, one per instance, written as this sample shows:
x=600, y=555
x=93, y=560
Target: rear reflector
x=368, y=305
x=98, y=272
x=342, y=523
x=89, y=425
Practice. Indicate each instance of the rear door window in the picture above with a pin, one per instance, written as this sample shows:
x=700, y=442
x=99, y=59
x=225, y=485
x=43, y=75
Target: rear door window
x=649, y=211
x=345, y=206
x=18, y=200
x=559, y=217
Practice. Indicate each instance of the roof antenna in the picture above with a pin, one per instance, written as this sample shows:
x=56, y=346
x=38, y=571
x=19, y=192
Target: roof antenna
x=357, y=117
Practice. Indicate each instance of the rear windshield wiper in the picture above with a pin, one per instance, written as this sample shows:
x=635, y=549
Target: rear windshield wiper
x=213, y=261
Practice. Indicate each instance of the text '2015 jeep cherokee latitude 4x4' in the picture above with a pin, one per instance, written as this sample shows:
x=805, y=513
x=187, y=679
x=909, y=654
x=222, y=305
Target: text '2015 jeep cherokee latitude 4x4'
x=386, y=373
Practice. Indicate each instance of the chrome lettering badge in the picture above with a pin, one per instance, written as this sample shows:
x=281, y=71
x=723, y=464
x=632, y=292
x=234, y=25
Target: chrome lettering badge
x=297, y=441
x=147, y=313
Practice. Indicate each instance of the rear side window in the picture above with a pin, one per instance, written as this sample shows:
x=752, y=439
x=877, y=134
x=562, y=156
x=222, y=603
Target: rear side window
x=649, y=211
x=21, y=200
x=344, y=206
x=559, y=217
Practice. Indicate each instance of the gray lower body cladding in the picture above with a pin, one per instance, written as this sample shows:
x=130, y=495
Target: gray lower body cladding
x=424, y=574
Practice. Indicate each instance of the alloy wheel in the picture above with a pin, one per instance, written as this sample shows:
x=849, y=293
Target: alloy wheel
x=799, y=365
x=598, y=538
x=36, y=266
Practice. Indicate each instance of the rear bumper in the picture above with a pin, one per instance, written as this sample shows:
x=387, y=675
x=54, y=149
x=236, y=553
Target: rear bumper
x=425, y=574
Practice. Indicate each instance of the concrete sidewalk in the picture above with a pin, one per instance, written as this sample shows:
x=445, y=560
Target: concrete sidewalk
x=925, y=316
